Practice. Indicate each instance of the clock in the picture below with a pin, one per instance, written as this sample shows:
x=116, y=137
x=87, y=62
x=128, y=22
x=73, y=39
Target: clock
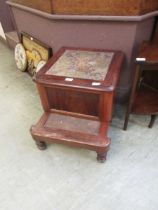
x=20, y=57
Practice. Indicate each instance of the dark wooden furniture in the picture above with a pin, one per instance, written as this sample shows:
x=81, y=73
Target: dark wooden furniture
x=77, y=89
x=144, y=94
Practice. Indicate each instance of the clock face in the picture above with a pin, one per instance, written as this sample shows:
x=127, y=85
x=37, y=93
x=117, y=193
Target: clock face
x=20, y=57
x=40, y=65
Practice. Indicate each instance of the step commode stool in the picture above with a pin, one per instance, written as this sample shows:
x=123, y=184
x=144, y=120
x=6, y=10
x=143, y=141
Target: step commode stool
x=77, y=88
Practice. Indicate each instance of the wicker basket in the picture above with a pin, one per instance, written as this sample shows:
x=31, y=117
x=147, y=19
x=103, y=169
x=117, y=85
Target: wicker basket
x=93, y=7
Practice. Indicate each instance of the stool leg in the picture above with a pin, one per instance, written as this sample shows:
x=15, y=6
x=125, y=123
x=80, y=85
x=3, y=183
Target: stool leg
x=132, y=94
x=153, y=118
x=101, y=157
x=101, y=154
x=126, y=120
x=41, y=145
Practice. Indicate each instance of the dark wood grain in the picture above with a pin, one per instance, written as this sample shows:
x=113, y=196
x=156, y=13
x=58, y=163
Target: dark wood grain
x=145, y=102
x=44, y=97
x=151, y=77
x=149, y=51
x=154, y=36
x=73, y=101
x=92, y=7
x=43, y=5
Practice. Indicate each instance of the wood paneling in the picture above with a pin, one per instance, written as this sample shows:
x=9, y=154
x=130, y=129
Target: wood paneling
x=43, y=5
x=73, y=101
x=93, y=7
x=104, y=7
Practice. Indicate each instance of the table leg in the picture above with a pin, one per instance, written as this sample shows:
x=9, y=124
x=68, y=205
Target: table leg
x=153, y=118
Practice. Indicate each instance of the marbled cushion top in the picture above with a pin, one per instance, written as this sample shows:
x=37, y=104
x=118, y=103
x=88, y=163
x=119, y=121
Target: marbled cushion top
x=82, y=64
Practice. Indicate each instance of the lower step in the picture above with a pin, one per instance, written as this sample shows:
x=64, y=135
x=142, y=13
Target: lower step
x=72, y=131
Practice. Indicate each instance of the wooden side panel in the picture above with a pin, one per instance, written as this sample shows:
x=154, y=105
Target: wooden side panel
x=43, y=97
x=73, y=101
x=106, y=106
x=155, y=32
x=151, y=78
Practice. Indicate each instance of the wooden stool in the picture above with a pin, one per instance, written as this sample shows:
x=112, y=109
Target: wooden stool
x=77, y=88
x=144, y=94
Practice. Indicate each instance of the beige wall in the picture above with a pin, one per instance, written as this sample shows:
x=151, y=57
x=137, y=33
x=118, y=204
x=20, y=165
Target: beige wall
x=2, y=32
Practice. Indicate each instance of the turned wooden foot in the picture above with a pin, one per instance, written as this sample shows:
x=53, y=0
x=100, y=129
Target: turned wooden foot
x=101, y=157
x=153, y=118
x=41, y=145
x=126, y=121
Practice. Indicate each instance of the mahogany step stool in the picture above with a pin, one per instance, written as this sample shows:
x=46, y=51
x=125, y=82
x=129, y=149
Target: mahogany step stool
x=77, y=88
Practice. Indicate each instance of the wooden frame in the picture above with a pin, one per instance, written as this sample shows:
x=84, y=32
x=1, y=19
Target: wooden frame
x=40, y=50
